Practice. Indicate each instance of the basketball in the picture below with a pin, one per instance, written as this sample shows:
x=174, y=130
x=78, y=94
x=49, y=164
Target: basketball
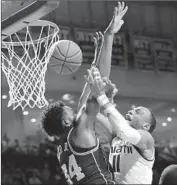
x=66, y=57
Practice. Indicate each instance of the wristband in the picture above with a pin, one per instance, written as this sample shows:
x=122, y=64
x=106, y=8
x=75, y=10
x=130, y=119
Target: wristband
x=102, y=100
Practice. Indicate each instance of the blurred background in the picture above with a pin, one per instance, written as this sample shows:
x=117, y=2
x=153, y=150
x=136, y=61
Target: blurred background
x=143, y=69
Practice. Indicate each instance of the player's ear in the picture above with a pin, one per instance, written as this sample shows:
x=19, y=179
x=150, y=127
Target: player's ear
x=55, y=138
x=51, y=138
x=146, y=126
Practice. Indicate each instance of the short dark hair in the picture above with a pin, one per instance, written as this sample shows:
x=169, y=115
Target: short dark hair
x=153, y=122
x=168, y=176
x=53, y=117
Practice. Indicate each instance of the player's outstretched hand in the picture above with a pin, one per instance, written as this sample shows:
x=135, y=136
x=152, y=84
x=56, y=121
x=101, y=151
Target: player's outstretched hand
x=95, y=81
x=110, y=88
x=117, y=22
x=98, y=43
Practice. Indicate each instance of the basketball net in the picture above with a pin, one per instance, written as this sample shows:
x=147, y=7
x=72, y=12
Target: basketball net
x=24, y=63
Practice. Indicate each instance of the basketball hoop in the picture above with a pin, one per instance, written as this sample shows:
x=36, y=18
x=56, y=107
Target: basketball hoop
x=25, y=56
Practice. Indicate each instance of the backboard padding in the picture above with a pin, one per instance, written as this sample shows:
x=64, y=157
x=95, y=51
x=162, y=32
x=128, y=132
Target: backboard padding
x=29, y=13
x=8, y=8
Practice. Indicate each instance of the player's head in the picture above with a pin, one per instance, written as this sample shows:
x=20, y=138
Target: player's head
x=57, y=118
x=141, y=118
x=169, y=176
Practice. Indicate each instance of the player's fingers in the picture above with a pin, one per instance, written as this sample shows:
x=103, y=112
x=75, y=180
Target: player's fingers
x=106, y=80
x=96, y=50
x=119, y=7
x=101, y=40
x=89, y=72
x=91, y=69
x=97, y=36
x=122, y=6
x=101, y=36
x=96, y=76
x=109, y=81
x=113, y=86
x=115, y=13
x=124, y=11
x=95, y=72
x=95, y=42
x=115, y=91
x=98, y=82
x=90, y=78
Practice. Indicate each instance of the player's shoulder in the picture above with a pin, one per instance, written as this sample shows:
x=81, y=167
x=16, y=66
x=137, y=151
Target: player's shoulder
x=147, y=138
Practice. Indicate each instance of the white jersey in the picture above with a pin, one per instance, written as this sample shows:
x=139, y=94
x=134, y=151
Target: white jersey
x=131, y=166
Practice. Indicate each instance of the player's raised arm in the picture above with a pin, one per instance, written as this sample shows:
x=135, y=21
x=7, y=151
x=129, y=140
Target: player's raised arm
x=105, y=55
x=98, y=44
x=103, y=49
x=120, y=125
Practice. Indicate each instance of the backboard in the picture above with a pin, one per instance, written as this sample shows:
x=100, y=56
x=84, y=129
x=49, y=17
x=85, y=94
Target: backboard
x=18, y=14
x=8, y=8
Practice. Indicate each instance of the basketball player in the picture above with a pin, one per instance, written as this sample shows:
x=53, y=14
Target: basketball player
x=79, y=152
x=134, y=144
x=104, y=64
x=103, y=61
x=78, y=149
x=169, y=175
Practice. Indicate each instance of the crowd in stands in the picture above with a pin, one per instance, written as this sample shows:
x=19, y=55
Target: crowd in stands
x=31, y=165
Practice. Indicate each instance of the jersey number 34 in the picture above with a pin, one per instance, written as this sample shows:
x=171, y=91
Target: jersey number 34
x=73, y=170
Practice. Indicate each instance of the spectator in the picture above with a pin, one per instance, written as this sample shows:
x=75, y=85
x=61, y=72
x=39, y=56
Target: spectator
x=16, y=145
x=34, y=179
x=16, y=165
x=46, y=174
x=5, y=142
x=19, y=177
x=57, y=178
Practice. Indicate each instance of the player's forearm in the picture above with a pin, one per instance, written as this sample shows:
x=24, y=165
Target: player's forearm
x=106, y=55
x=84, y=96
x=120, y=126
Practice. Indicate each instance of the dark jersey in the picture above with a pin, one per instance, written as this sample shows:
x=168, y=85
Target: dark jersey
x=89, y=167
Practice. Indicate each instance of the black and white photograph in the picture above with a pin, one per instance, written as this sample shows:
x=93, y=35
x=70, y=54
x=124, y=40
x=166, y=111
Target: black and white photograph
x=88, y=92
